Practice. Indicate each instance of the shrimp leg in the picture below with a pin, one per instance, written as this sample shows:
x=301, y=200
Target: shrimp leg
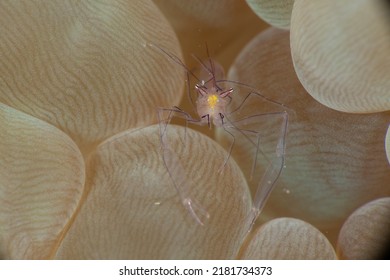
x=275, y=160
x=173, y=164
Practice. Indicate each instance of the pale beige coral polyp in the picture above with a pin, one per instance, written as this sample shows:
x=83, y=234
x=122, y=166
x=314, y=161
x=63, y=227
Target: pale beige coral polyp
x=41, y=181
x=366, y=233
x=84, y=66
x=341, y=53
x=134, y=212
x=288, y=239
x=275, y=12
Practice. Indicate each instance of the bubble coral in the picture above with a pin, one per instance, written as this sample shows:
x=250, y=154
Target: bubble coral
x=81, y=174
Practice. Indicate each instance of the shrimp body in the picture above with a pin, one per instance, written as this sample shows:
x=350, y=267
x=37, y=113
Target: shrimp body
x=245, y=122
x=211, y=104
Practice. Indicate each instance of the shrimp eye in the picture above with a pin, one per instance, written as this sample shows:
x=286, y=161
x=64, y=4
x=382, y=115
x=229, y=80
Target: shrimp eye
x=200, y=90
x=226, y=93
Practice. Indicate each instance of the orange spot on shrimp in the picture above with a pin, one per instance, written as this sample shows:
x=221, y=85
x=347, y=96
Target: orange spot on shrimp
x=212, y=101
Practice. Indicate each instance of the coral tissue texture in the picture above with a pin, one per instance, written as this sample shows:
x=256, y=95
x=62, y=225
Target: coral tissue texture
x=276, y=12
x=287, y=238
x=82, y=66
x=341, y=53
x=370, y=225
x=41, y=181
x=81, y=168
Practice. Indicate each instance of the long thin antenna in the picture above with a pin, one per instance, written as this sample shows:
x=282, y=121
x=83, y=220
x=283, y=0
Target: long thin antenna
x=175, y=59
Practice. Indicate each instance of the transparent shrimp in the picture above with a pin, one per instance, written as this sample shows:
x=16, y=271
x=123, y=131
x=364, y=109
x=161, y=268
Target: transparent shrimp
x=235, y=108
